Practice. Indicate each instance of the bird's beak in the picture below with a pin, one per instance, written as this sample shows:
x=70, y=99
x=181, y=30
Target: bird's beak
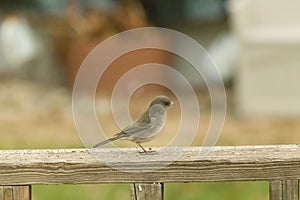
x=172, y=102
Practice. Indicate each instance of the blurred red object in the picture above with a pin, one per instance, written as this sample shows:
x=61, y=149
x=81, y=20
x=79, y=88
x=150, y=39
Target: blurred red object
x=79, y=49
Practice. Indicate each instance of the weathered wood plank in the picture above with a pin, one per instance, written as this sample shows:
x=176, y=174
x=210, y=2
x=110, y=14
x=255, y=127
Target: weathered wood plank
x=284, y=190
x=147, y=191
x=291, y=190
x=78, y=166
x=22, y=192
x=15, y=192
x=275, y=190
x=6, y=193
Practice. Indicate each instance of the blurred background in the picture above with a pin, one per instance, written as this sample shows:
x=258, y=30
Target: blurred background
x=254, y=43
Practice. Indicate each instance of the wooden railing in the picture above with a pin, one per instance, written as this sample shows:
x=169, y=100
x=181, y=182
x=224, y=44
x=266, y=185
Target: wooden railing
x=280, y=165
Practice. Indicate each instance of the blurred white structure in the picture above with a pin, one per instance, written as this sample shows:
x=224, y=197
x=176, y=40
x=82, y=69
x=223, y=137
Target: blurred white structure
x=25, y=52
x=223, y=51
x=268, y=74
x=18, y=44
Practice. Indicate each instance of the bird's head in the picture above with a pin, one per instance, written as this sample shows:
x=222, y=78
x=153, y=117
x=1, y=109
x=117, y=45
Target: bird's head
x=163, y=101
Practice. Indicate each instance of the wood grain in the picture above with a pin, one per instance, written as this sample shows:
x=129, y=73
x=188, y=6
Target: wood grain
x=22, y=192
x=275, y=190
x=79, y=166
x=290, y=190
x=15, y=192
x=284, y=190
x=6, y=193
x=153, y=191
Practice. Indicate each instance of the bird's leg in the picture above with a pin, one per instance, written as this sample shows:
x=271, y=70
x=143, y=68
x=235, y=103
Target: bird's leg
x=142, y=148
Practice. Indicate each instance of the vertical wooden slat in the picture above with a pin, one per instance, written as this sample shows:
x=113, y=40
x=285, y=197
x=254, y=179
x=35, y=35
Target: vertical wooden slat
x=275, y=190
x=15, y=192
x=147, y=191
x=6, y=193
x=290, y=190
x=22, y=192
x=284, y=190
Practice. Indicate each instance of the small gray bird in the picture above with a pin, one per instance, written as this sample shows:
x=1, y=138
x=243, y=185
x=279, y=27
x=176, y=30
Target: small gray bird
x=147, y=126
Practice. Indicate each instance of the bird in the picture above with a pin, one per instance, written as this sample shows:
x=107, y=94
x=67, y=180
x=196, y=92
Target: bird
x=147, y=126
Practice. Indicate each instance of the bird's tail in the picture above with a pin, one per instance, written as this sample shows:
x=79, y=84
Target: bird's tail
x=116, y=137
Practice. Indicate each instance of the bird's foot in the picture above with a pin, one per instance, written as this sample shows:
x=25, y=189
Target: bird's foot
x=148, y=152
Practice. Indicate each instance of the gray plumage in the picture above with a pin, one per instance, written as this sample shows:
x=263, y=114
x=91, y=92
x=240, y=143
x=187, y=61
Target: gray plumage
x=147, y=126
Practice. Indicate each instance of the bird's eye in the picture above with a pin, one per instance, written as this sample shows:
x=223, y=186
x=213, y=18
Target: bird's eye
x=167, y=103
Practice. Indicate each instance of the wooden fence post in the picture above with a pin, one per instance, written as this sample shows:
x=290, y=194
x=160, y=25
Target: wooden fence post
x=15, y=192
x=284, y=190
x=147, y=191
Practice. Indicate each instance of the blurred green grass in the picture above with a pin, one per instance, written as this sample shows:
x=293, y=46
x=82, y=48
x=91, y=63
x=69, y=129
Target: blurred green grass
x=87, y=192
x=175, y=191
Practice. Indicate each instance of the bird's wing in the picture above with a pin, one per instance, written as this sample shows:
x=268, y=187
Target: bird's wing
x=144, y=119
x=135, y=128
